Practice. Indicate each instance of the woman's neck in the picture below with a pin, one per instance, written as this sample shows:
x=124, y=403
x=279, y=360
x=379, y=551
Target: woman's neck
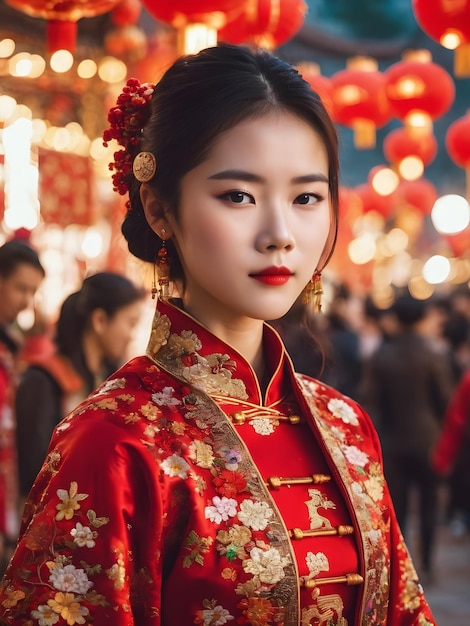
x=93, y=355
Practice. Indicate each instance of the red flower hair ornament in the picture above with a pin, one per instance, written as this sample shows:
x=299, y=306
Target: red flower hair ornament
x=127, y=119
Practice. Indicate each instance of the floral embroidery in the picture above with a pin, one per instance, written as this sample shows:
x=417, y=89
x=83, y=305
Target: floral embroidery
x=221, y=509
x=257, y=611
x=213, y=615
x=175, y=465
x=117, y=573
x=231, y=457
x=45, y=615
x=255, y=515
x=66, y=605
x=230, y=483
x=355, y=456
x=267, y=565
x=317, y=563
x=264, y=426
x=197, y=546
x=69, y=578
x=69, y=502
x=232, y=542
x=345, y=412
x=83, y=536
x=165, y=397
x=201, y=454
x=12, y=597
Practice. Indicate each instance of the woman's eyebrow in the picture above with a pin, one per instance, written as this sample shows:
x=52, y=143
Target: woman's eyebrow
x=250, y=177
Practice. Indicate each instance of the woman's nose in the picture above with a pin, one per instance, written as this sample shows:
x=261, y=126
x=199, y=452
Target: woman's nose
x=275, y=232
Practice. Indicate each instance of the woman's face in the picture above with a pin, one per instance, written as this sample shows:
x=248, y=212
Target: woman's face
x=115, y=332
x=253, y=220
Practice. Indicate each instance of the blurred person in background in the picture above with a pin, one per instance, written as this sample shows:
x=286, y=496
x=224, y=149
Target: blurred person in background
x=21, y=273
x=93, y=332
x=406, y=388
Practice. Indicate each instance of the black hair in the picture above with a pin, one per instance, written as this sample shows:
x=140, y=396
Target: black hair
x=199, y=97
x=104, y=290
x=15, y=253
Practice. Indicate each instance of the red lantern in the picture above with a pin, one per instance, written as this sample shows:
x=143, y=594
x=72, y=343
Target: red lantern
x=265, y=23
x=459, y=243
x=320, y=84
x=129, y=42
x=179, y=13
x=62, y=17
x=419, y=87
x=126, y=13
x=360, y=102
x=402, y=143
x=373, y=201
x=458, y=145
x=419, y=194
x=449, y=24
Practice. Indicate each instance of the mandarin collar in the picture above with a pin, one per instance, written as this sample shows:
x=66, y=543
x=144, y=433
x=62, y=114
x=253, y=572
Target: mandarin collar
x=190, y=351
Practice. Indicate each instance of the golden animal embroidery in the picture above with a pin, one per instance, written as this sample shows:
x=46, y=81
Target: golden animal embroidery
x=318, y=501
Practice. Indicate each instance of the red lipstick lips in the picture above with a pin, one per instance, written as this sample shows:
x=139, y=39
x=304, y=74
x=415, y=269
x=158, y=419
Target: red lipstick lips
x=273, y=275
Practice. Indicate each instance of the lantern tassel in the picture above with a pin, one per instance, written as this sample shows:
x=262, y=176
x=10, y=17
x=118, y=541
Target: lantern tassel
x=364, y=134
x=462, y=61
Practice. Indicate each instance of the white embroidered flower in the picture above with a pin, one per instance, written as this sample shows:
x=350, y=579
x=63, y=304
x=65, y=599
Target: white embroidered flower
x=45, y=615
x=216, y=616
x=175, y=465
x=317, y=563
x=343, y=410
x=69, y=578
x=313, y=386
x=355, y=456
x=374, y=536
x=267, y=565
x=255, y=515
x=83, y=536
x=221, y=509
x=263, y=425
x=374, y=487
x=338, y=433
x=165, y=397
x=63, y=426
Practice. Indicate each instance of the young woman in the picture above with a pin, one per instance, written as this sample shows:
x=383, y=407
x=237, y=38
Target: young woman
x=93, y=332
x=207, y=483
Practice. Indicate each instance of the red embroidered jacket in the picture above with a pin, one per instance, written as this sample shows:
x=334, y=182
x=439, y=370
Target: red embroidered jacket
x=178, y=494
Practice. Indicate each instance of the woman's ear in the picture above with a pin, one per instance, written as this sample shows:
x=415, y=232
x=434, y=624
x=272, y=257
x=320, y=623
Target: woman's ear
x=98, y=321
x=154, y=211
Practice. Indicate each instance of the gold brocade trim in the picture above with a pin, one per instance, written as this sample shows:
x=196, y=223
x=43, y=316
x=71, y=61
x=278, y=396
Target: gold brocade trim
x=376, y=573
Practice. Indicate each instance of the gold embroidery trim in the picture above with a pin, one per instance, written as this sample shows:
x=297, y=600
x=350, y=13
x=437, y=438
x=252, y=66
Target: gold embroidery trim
x=275, y=482
x=349, y=579
x=341, y=531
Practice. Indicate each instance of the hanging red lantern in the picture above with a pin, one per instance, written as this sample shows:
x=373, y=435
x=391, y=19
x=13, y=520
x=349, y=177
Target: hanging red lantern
x=126, y=13
x=197, y=23
x=448, y=23
x=360, y=102
x=178, y=13
x=350, y=205
x=458, y=145
x=62, y=17
x=373, y=201
x=420, y=194
x=320, y=84
x=401, y=143
x=419, y=87
x=265, y=23
x=129, y=42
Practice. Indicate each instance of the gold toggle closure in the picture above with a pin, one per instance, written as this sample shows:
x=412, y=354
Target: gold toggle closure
x=274, y=482
x=240, y=417
x=341, y=531
x=349, y=579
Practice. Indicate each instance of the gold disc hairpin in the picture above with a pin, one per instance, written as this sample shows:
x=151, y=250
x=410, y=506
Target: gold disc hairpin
x=144, y=166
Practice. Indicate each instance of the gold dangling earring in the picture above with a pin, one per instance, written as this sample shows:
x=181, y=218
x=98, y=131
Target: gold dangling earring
x=161, y=269
x=313, y=291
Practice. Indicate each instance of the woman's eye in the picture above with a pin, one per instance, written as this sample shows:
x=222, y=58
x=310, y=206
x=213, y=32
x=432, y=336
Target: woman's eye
x=307, y=198
x=238, y=197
